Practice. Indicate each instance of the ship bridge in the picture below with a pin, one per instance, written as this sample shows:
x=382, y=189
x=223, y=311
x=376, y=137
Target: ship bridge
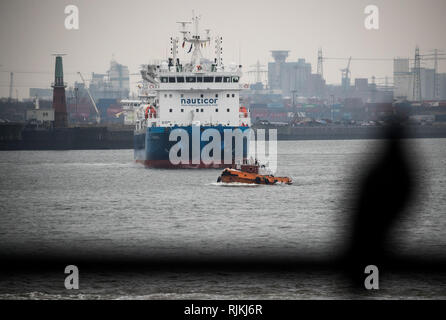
x=201, y=91
x=199, y=81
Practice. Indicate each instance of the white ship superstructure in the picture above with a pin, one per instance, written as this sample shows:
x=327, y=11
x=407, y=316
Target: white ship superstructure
x=201, y=92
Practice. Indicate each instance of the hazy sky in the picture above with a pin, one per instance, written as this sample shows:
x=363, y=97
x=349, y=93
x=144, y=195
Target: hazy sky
x=137, y=31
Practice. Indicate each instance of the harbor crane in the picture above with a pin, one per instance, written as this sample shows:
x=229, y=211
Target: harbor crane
x=98, y=116
x=346, y=75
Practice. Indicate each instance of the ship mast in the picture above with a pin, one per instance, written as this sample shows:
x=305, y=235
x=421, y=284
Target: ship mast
x=195, y=39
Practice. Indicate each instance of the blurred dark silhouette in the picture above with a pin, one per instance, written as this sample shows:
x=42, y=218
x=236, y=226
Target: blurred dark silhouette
x=385, y=191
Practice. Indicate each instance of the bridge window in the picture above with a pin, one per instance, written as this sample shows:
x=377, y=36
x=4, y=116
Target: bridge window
x=171, y=79
x=216, y=109
x=164, y=79
x=180, y=79
x=208, y=79
x=170, y=110
x=216, y=95
x=227, y=95
x=170, y=95
x=196, y=110
x=227, y=79
x=182, y=110
x=202, y=110
x=233, y=95
x=201, y=95
x=227, y=109
x=199, y=79
x=218, y=79
x=191, y=79
x=235, y=79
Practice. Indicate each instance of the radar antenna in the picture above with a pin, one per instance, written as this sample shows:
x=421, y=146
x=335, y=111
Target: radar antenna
x=194, y=39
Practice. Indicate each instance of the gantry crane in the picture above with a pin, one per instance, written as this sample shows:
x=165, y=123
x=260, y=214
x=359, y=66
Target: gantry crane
x=346, y=75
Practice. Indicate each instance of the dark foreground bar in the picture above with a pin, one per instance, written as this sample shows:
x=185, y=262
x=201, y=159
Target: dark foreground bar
x=223, y=309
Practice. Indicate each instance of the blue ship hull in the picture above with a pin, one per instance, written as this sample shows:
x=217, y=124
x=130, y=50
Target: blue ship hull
x=152, y=147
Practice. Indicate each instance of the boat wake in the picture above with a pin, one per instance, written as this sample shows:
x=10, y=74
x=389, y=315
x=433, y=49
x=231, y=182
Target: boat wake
x=234, y=184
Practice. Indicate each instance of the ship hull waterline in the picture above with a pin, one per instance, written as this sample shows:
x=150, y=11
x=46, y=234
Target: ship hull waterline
x=152, y=147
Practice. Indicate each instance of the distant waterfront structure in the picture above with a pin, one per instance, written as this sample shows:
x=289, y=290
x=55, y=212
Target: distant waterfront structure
x=130, y=108
x=416, y=93
x=107, y=89
x=294, y=93
x=276, y=68
x=119, y=77
x=442, y=86
x=40, y=116
x=41, y=93
x=404, y=77
x=293, y=78
x=114, y=84
x=59, y=99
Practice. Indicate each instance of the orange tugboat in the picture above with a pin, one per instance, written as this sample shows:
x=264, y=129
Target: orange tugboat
x=249, y=173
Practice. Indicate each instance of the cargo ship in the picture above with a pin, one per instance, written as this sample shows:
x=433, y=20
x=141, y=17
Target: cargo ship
x=193, y=97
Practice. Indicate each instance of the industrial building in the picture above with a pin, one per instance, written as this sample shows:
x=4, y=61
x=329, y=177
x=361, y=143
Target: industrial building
x=43, y=94
x=415, y=83
x=404, y=76
x=41, y=117
x=115, y=84
x=294, y=91
x=293, y=78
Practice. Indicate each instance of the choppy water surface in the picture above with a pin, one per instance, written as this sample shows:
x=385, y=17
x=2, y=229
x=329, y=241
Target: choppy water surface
x=101, y=202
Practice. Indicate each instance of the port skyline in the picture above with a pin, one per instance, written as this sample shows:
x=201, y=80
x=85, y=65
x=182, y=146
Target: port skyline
x=269, y=28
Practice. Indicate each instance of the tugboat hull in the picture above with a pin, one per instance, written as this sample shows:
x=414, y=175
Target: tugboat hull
x=237, y=176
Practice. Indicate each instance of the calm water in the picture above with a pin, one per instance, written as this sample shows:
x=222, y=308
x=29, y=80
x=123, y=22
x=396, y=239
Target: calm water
x=101, y=202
